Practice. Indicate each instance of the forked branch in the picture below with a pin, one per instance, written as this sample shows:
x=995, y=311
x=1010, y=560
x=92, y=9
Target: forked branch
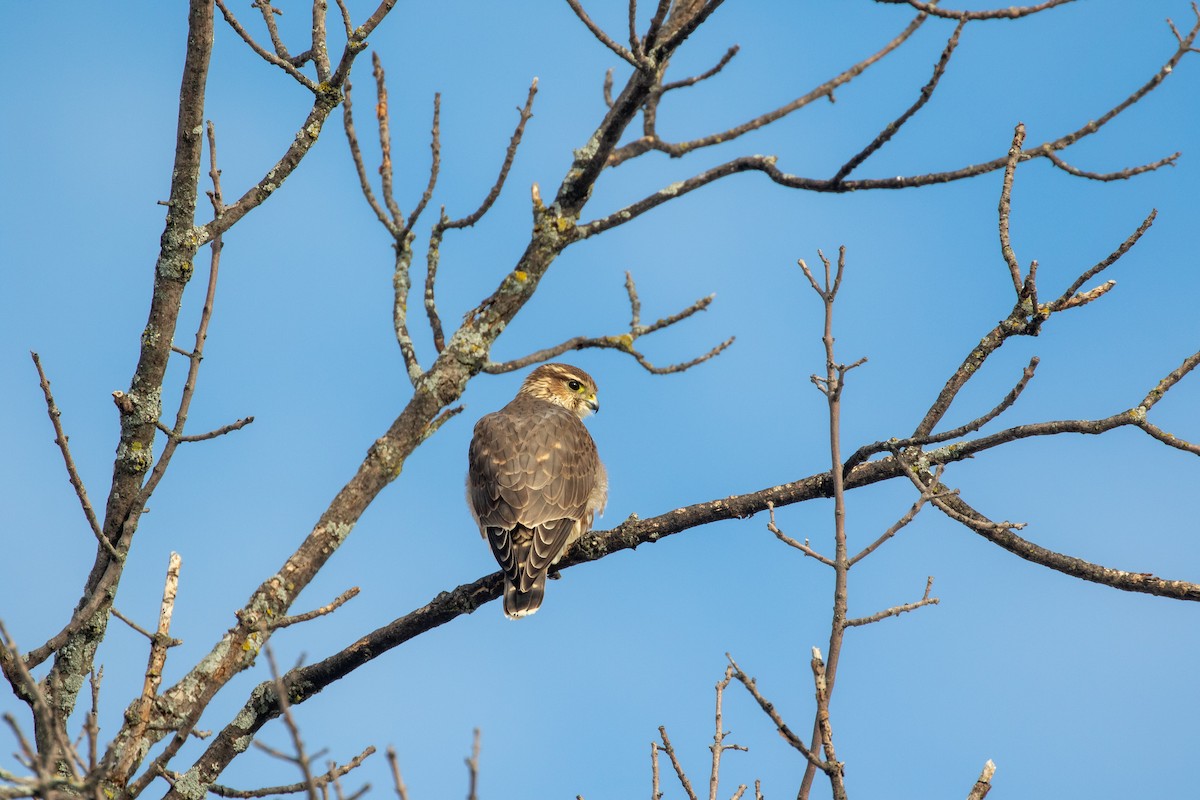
x=622, y=342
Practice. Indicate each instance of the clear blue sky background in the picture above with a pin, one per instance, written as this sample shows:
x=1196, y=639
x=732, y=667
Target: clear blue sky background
x=1072, y=689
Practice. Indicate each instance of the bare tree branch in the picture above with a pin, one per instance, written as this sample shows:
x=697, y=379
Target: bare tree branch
x=319, y=781
x=896, y=611
x=769, y=709
x=833, y=767
x=160, y=641
x=1105, y=263
x=154, y=716
x=603, y=37
x=1120, y=175
x=397, y=780
x=276, y=59
x=652, y=142
x=141, y=408
x=984, y=784
x=472, y=762
x=718, y=746
x=385, y=146
x=863, y=453
x=1010, y=168
x=670, y=751
x=60, y=439
x=328, y=608
x=803, y=547
x=1011, y=12
x=623, y=342
x=894, y=127
x=703, y=76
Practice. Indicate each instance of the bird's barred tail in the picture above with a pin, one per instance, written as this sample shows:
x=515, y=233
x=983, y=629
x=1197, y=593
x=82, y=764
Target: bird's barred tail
x=521, y=604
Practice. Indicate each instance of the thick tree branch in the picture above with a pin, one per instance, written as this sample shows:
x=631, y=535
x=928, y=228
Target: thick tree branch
x=305, y=682
x=463, y=357
x=74, y=647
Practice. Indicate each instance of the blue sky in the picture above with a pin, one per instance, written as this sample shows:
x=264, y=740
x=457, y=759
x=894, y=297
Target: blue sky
x=1070, y=688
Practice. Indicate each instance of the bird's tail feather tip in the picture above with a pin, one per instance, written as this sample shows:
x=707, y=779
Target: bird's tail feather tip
x=523, y=604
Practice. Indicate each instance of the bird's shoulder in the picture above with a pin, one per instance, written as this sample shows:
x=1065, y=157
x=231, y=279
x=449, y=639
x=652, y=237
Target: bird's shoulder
x=526, y=411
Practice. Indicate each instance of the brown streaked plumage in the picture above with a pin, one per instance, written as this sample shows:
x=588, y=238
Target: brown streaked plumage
x=534, y=480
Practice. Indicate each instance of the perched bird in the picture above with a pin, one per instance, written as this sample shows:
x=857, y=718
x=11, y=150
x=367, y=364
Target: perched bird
x=534, y=480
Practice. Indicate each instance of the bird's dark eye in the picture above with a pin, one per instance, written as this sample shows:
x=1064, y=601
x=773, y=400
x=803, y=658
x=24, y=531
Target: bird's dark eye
x=574, y=385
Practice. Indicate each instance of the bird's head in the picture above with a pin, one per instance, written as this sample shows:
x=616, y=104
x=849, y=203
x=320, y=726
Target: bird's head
x=563, y=385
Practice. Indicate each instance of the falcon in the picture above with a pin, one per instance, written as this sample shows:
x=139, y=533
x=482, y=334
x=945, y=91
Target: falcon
x=535, y=481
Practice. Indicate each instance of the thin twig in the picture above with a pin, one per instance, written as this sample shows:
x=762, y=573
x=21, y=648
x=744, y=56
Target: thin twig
x=204, y=437
x=92, y=725
x=116, y=613
x=510, y=153
x=670, y=750
x=718, y=746
x=271, y=58
x=329, y=777
x=1011, y=12
x=803, y=547
x=893, y=127
x=359, y=167
x=433, y=254
x=159, y=642
x=1104, y=263
x=435, y=148
x=623, y=342
x=347, y=25
x=397, y=780
x=268, y=14
x=769, y=709
x=896, y=611
x=1120, y=175
x=647, y=143
x=175, y=435
x=863, y=453
x=385, y=143
x=472, y=762
x=60, y=439
x=1014, y=155
x=301, y=758
x=1023, y=320
x=635, y=44
x=692, y=81
x=892, y=530
x=328, y=608
x=603, y=37
x=62, y=753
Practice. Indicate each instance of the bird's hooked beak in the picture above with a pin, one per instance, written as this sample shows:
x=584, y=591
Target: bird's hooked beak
x=593, y=403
